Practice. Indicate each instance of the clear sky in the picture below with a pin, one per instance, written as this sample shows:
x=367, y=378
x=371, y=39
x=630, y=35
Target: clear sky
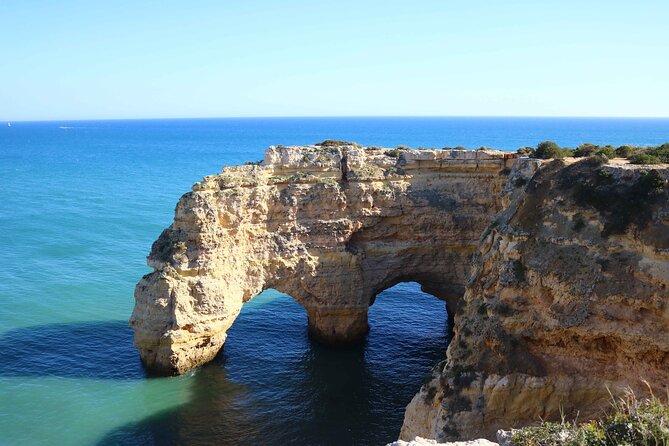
x=83, y=59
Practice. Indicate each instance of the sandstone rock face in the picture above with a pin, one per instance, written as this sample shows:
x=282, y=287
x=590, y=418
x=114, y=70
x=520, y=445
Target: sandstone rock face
x=330, y=225
x=567, y=301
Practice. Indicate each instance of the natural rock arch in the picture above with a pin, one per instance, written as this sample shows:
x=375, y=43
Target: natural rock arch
x=330, y=225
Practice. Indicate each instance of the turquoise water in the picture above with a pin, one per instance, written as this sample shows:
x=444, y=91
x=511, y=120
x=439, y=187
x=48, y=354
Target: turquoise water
x=81, y=203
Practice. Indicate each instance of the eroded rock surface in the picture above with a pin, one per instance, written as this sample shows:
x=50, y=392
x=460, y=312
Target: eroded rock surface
x=330, y=225
x=567, y=301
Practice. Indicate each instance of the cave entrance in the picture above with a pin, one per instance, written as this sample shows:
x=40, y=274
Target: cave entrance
x=408, y=303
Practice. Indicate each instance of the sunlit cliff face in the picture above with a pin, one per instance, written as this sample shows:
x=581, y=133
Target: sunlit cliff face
x=330, y=225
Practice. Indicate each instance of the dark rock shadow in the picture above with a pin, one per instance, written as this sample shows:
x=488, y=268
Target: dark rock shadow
x=97, y=350
x=216, y=414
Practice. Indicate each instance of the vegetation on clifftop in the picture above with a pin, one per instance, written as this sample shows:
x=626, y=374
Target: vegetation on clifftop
x=621, y=202
x=631, y=422
x=635, y=154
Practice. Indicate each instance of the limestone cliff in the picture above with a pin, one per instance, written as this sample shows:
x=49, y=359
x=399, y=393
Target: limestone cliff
x=567, y=300
x=332, y=225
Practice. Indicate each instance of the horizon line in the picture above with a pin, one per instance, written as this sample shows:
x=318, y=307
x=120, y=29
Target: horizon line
x=331, y=117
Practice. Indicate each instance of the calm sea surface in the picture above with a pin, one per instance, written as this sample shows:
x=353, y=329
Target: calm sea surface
x=81, y=203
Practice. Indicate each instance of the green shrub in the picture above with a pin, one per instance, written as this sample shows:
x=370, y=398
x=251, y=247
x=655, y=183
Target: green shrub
x=650, y=182
x=547, y=150
x=336, y=143
x=660, y=152
x=599, y=159
x=608, y=151
x=400, y=147
x=625, y=151
x=622, y=203
x=631, y=422
x=644, y=158
x=550, y=150
x=586, y=149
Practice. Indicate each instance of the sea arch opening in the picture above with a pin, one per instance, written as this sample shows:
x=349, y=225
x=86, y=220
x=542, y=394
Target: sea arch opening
x=303, y=388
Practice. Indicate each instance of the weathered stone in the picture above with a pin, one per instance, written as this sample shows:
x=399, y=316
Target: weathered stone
x=566, y=305
x=332, y=226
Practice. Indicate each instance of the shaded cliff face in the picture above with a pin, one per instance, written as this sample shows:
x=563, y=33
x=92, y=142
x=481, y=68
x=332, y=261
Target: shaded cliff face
x=331, y=226
x=567, y=301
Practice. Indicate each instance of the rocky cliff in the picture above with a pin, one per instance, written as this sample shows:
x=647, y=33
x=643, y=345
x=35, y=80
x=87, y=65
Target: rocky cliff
x=332, y=225
x=567, y=302
x=557, y=273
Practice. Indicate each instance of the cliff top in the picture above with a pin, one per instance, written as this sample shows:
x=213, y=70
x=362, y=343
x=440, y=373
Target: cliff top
x=336, y=161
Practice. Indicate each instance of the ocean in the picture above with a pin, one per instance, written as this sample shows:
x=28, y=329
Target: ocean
x=80, y=204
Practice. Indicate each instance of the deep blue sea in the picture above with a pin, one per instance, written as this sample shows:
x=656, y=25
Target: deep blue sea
x=80, y=204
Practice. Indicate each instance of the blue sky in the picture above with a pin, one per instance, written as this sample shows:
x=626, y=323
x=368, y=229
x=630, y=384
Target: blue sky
x=73, y=59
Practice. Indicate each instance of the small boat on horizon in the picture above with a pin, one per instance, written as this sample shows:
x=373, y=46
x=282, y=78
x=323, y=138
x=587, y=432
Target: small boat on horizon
x=9, y=124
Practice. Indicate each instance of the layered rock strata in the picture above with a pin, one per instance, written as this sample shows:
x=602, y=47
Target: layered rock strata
x=330, y=225
x=566, y=305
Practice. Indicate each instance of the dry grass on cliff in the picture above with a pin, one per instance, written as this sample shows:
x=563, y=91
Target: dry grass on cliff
x=631, y=422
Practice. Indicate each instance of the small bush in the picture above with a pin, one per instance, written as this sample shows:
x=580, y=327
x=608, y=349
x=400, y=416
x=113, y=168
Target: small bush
x=631, y=422
x=622, y=203
x=608, y=151
x=550, y=150
x=400, y=147
x=525, y=151
x=586, y=149
x=625, y=151
x=644, y=158
x=660, y=152
x=547, y=150
x=599, y=159
x=336, y=143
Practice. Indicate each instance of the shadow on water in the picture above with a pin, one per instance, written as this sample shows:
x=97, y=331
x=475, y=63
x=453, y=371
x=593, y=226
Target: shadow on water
x=324, y=401
x=216, y=415
x=272, y=385
x=97, y=350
